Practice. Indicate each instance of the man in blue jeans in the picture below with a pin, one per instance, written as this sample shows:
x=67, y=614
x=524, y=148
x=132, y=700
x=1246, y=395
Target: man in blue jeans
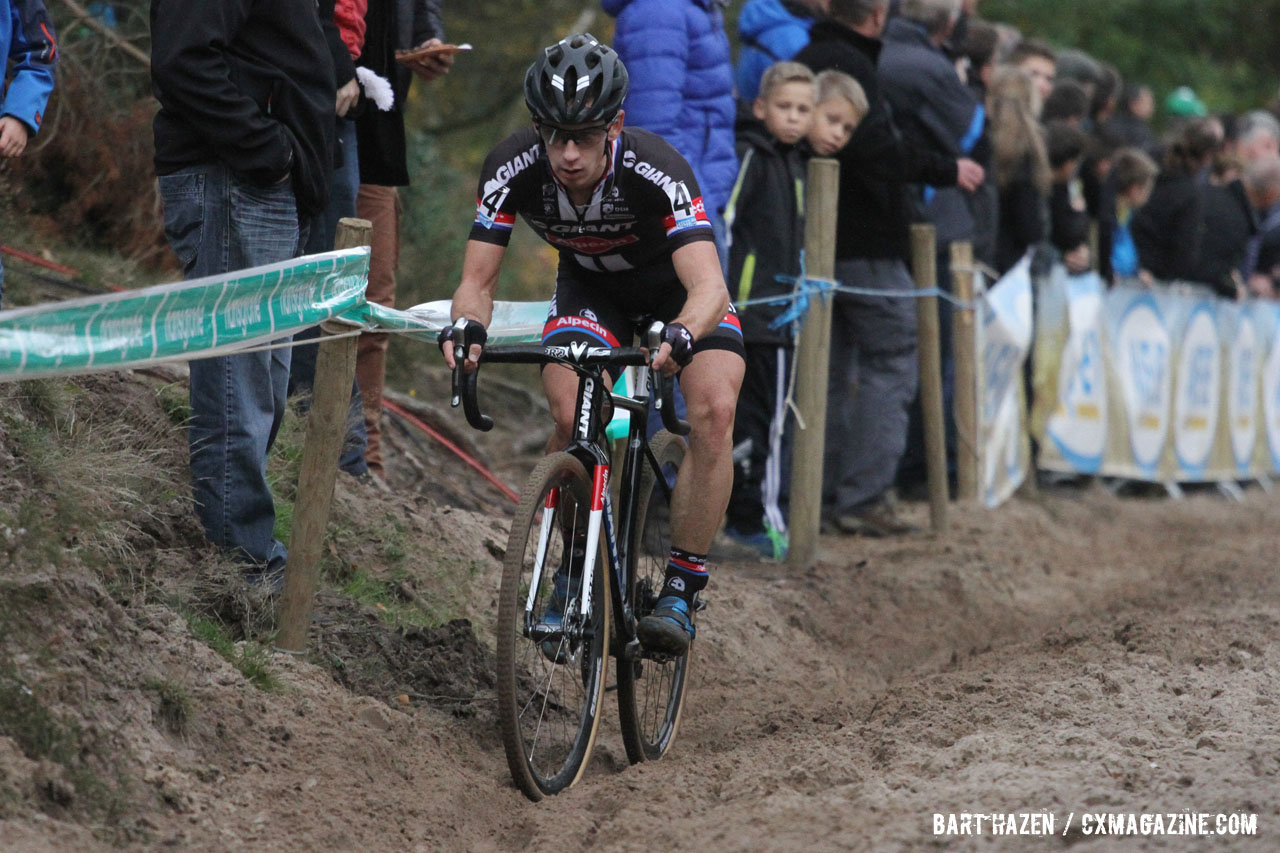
x=244, y=154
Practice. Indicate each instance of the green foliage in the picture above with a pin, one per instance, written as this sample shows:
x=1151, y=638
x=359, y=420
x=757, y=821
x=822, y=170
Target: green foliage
x=1226, y=50
x=174, y=705
x=283, y=467
x=251, y=659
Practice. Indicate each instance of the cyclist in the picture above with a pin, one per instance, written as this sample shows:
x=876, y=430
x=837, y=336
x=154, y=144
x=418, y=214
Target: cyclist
x=624, y=211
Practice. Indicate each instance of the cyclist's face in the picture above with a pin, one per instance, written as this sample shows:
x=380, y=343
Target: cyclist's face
x=577, y=152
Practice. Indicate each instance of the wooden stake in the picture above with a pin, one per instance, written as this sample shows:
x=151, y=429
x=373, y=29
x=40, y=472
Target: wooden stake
x=964, y=346
x=812, y=356
x=326, y=431
x=924, y=264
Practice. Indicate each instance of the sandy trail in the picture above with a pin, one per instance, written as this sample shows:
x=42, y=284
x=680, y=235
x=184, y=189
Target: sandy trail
x=1070, y=653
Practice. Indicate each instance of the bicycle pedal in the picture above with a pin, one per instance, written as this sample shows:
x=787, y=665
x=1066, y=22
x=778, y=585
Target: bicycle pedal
x=700, y=605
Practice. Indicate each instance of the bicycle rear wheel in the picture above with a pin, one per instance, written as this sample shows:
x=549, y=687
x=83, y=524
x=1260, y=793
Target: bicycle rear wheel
x=550, y=678
x=651, y=687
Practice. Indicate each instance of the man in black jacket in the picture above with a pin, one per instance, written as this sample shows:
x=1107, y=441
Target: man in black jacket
x=873, y=339
x=244, y=153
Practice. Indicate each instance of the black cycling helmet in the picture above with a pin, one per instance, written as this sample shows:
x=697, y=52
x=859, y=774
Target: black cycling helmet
x=577, y=80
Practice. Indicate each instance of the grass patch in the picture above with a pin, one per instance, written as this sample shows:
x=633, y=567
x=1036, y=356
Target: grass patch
x=283, y=467
x=175, y=402
x=93, y=474
x=250, y=658
x=385, y=597
x=36, y=731
x=43, y=735
x=175, y=708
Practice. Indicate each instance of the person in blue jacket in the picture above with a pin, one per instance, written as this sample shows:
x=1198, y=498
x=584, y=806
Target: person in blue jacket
x=30, y=51
x=771, y=31
x=682, y=88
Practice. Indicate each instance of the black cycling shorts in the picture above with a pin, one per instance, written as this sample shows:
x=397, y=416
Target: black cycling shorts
x=587, y=311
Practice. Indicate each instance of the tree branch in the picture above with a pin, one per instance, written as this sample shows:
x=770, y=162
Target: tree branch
x=111, y=35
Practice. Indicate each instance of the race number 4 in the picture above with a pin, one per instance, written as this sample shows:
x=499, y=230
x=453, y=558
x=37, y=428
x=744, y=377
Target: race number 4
x=487, y=210
x=684, y=208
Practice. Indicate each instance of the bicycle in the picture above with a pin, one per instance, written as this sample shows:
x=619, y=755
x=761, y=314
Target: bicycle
x=551, y=673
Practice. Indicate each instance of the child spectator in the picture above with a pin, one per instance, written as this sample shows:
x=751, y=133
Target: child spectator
x=28, y=54
x=765, y=216
x=1068, y=216
x=1133, y=176
x=840, y=105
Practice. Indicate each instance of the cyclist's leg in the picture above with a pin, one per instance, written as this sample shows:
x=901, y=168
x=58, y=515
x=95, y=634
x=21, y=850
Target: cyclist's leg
x=711, y=383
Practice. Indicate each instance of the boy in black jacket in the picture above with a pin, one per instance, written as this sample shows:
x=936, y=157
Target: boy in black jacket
x=765, y=217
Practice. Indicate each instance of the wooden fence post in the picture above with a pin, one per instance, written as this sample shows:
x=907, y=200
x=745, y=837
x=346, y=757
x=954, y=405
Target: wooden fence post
x=964, y=351
x=924, y=264
x=326, y=431
x=812, y=356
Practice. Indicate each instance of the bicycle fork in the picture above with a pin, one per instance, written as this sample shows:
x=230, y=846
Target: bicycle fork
x=601, y=516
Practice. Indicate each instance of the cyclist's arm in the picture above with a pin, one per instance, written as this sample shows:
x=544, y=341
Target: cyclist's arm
x=698, y=267
x=474, y=297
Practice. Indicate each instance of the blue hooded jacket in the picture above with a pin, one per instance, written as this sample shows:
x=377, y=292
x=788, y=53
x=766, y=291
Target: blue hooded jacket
x=26, y=39
x=677, y=55
x=770, y=32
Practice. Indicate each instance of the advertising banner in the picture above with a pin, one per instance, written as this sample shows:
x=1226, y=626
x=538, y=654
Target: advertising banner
x=1167, y=384
x=1004, y=341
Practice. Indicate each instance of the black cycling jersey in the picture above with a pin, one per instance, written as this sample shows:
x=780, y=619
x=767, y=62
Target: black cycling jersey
x=645, y=207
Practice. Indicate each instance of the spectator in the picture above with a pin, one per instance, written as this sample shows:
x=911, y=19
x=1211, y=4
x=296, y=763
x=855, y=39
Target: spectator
x=937, y=112
x=873, y=339
x=1258, y=137
x=765, y=217
x=1106, y=96
x=239, y=184
x=1131, y=125
x=1228, y=223
x=841, y=106
x=1127, y=189
x=1261, y=267
x=1021, y=166
x=30, y=53
x=1068, y=214
x=979, y=61
x=1081, y=68
x=344, y=29
x=771, y=31
x=382, y=151
x=682, y=88
x=1167, y=231
x=1039, y=61
x=1067, y=102
x=979, y=55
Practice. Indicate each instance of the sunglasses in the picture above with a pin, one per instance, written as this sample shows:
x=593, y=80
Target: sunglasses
x=583, y=137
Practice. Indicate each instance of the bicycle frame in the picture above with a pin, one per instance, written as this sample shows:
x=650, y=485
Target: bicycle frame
x=589, y=363
x=602, y=519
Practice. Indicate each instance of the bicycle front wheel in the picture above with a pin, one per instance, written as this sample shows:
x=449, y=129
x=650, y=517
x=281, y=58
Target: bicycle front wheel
x=651, y=687
x=551, y=647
